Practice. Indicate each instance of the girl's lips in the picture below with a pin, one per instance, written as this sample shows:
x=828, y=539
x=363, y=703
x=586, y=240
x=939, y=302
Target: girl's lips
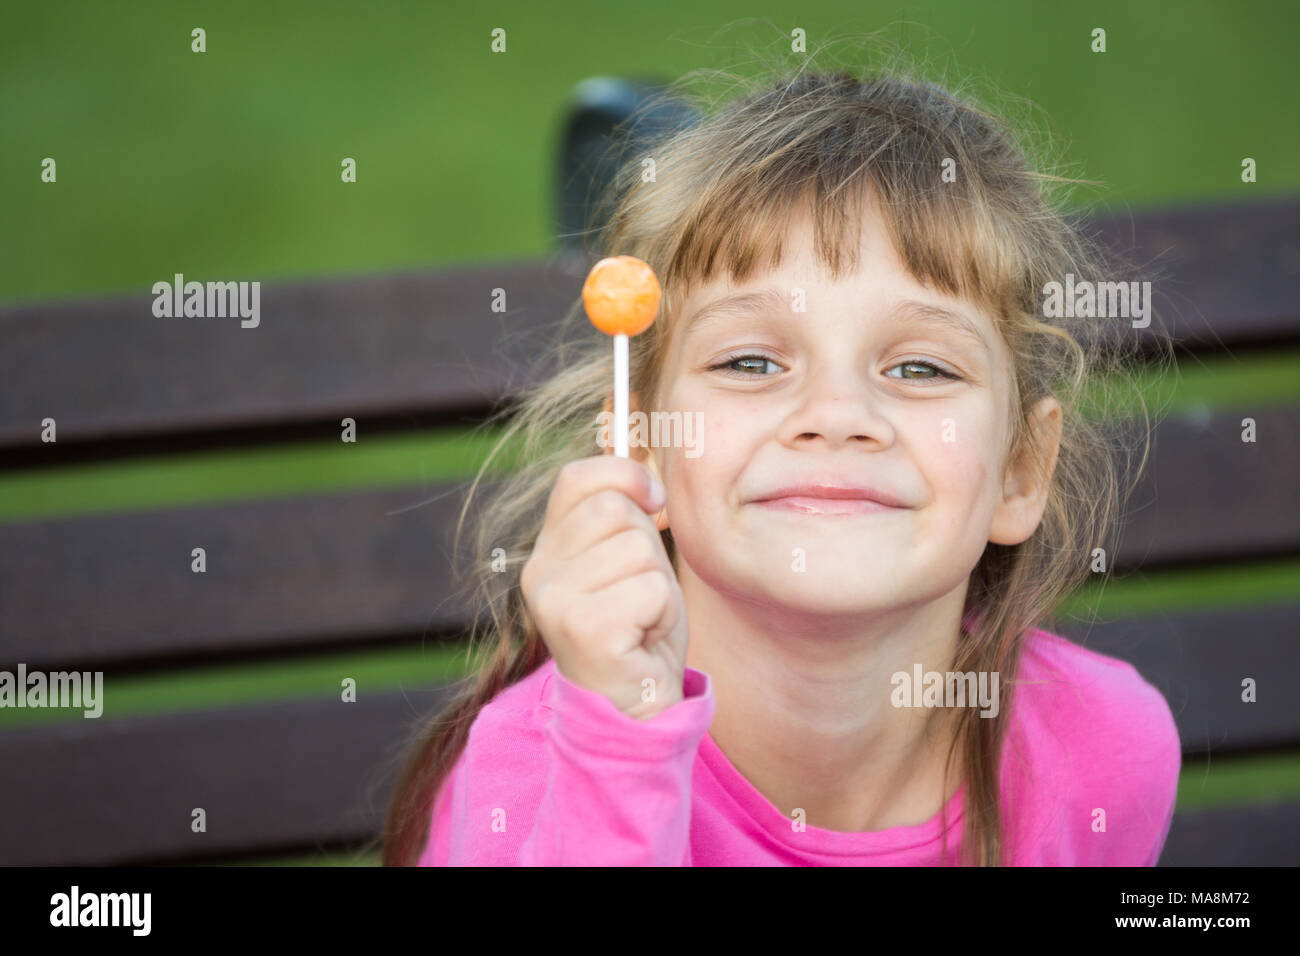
x=826, y=506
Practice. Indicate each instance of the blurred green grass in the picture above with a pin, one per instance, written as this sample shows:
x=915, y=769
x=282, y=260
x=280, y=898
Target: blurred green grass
x=291, y=468
x=208, y=686
x=226, y=163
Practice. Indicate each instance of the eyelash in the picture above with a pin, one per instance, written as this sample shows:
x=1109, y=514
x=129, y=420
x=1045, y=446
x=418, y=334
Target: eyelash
x=722, y=366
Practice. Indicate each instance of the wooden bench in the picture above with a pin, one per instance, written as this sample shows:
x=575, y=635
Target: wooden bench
x=291, y=576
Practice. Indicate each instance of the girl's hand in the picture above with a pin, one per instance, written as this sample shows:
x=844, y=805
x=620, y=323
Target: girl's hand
x=602, y=591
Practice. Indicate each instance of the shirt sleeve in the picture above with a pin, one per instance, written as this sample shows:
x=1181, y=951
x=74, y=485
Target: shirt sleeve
x=618, y=789
x=1132, y=771
x=568, y=779
x=1092, y=761
x=1166, y=766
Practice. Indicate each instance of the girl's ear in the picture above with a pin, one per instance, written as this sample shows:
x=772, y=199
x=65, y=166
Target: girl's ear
x=641, y=454
x=1028, y=479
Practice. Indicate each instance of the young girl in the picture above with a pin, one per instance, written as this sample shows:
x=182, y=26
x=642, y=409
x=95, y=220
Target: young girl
x=812, y=637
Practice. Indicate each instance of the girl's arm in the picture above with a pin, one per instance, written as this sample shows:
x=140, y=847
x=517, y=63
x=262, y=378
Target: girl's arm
x=568, y=779
x=618, y=789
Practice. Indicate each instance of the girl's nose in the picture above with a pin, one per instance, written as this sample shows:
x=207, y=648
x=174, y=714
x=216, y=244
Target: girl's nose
x=838, y=408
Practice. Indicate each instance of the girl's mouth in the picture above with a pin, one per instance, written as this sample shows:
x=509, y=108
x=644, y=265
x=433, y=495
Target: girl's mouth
x=826, y=506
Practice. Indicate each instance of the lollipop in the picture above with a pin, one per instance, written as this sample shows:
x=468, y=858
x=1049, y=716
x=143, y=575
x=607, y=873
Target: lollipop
x=621, y=296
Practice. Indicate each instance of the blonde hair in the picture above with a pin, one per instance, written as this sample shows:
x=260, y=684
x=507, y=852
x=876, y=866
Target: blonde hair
x=722, y=194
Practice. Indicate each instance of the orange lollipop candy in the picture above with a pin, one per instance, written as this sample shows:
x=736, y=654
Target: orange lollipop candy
x=621, y=296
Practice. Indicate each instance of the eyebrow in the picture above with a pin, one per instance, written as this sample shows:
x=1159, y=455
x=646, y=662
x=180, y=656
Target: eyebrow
x=750, y=303
x=739, y=304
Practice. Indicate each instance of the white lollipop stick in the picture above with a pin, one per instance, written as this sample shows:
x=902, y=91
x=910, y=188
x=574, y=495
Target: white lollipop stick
x=620, y=395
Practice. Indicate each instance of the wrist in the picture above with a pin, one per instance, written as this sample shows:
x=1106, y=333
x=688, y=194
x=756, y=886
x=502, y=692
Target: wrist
x=646, y=709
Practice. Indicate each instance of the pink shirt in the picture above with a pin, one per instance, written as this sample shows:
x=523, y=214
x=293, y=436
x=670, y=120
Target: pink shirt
x=554, y=774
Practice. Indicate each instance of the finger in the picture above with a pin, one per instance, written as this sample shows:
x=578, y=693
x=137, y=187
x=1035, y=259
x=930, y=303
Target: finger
x=582, y=478
x=595, y=520
x=623, y=555
x=627, y=614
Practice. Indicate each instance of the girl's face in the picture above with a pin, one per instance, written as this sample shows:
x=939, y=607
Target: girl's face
x=861, y=383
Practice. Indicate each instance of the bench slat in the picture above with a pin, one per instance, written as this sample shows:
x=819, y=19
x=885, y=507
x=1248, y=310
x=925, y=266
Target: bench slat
x=278, y=777
x=425, y=343
x=319, y=570
x=1232, y=268
x=325, y=349
x=1198, y=661
x=284, y=774
x=1265, y=835
x=1208, y=496
x=281, y=574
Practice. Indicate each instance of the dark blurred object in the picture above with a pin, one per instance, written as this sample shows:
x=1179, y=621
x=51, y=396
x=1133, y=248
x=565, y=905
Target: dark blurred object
x=591, y=144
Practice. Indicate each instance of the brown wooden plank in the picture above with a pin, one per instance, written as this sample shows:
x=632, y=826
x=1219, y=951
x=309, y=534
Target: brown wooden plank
x=271, y=776
x=1231, y=269
x=324, y=349
x=1208, y=496
x=1198, y=660
x=281, y=574
x=309, y=571
x=120, y=790
x=1265, y=835
x=387, y=346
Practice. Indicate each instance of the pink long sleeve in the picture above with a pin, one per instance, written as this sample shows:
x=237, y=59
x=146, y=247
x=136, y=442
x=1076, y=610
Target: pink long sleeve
x=561, y=777
x=619, y=790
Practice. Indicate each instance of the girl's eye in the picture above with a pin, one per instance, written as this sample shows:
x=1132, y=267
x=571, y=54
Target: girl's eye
x=939, y=372
x=726, y=365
